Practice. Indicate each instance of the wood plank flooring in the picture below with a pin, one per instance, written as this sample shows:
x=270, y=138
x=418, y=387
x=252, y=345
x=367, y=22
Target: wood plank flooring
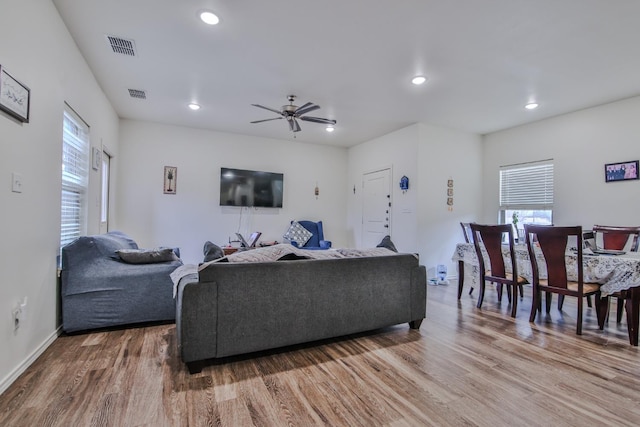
x=463, y=367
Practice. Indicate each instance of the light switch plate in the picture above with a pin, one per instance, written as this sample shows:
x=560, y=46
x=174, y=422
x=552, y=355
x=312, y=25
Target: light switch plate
x=16, y=182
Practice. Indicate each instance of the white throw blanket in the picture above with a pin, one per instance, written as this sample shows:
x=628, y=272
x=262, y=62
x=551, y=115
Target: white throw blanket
x=275, y=253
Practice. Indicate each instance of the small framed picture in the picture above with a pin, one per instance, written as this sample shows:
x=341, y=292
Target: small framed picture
x=170, y=179
x=450, y=192
x=449, y=183
x=450, y=201
x=14, y=97
x=622, y=171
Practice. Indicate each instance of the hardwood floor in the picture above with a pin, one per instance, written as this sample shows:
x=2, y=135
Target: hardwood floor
x=463, y=367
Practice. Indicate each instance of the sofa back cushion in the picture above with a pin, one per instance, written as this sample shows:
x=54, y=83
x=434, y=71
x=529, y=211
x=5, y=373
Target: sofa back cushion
x=98, y=248
x=112, y=241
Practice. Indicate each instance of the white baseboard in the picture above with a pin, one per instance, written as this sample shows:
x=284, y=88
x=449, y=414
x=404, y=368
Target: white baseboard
x=13, y=375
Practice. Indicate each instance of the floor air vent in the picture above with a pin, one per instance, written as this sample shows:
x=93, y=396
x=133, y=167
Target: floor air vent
x=137, y=93
x=122, y=46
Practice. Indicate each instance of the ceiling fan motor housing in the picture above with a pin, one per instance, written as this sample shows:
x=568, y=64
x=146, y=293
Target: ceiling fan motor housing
x=292, y=113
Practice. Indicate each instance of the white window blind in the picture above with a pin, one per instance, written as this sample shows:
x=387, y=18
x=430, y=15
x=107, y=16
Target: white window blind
x=527, y=186
x=75, y=171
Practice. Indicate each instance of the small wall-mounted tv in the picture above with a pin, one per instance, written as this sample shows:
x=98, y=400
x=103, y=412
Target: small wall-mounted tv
x=239, y=187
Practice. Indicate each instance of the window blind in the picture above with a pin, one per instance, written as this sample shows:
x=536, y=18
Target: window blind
x=527, y=186
x=75, y=171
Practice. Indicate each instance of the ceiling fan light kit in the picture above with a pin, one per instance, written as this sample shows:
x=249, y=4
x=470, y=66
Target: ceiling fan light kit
x=292, y=113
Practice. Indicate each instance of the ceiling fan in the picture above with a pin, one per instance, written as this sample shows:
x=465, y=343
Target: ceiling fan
x=292, y=113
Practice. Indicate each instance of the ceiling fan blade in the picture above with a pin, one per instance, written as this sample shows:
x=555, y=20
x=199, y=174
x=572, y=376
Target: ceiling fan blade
x=319, y=120
x=309, y=106
x=293, y=125
x=266, y=120
x=267, y=108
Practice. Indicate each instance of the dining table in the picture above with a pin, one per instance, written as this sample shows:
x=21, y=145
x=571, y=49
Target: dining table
x=618, y=274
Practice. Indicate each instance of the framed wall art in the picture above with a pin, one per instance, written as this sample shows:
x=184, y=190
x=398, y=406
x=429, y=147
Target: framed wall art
x=622, y=171
x=170, y=179
x=14, y=97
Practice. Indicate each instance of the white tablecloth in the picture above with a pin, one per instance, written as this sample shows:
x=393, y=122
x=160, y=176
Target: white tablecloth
x=614, y=272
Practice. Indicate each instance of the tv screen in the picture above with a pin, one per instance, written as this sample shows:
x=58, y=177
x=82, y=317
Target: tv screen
x=239, y=187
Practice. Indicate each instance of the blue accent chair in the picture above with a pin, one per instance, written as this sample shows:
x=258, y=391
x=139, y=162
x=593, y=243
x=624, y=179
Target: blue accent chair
x=317, y=239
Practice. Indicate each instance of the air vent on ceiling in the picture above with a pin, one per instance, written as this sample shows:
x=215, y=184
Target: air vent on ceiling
x=122, y=46
x=137, y=93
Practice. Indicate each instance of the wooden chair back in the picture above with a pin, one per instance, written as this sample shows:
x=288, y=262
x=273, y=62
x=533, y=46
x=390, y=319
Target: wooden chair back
x=614, y=237
x=466, y=232
x=553, y=243
x=491, y=237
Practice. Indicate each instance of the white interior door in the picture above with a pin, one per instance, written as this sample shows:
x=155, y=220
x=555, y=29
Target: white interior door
x=376, y=207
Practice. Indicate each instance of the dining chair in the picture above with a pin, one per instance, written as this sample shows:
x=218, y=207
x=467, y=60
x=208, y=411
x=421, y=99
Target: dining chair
x=552, y=241
x=617, y=238
x=491, y=237
x=468, y=238
x=466, y=232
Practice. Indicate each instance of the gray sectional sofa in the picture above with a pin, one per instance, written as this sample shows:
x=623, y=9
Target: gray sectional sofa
x=236, y=308
x=99, y=289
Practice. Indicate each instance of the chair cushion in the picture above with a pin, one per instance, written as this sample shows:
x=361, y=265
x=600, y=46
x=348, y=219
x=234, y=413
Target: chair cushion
x=297, y=233
x=509, y=276
x=587, y=288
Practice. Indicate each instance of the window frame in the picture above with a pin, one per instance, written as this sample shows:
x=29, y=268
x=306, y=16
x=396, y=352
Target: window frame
x=75, y=165
x=518, y=178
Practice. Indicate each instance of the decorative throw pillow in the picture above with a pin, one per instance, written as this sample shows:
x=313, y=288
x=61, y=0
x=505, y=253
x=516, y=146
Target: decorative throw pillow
x=212, y=251
x=387, y=243
x=146, y=256
x=297, y=233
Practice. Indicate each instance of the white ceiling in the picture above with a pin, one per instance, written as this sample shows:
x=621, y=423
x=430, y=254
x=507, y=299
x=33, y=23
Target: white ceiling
x=355, y=58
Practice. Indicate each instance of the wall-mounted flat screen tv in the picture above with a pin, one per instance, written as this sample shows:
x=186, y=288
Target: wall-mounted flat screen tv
x=239, y=187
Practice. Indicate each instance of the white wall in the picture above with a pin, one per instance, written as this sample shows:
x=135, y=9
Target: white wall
x=398, y=151
x=580, y=144
x=446, y=154
x=420, y=219
x=193, y=215
x=36, y=48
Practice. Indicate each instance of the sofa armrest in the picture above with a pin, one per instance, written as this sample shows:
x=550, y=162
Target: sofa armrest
x=112, y=274
x=325, y=244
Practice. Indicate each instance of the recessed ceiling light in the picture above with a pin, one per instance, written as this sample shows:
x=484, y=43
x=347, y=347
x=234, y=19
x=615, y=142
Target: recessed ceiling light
x=209, y=17
x=194, y=106
x=330, y=128
x=418, y=80
x=531, y=106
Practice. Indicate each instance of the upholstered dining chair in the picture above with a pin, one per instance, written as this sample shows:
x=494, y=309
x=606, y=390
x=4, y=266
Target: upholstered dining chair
x=492, y=237
x=617, y=238
x=553, y=244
